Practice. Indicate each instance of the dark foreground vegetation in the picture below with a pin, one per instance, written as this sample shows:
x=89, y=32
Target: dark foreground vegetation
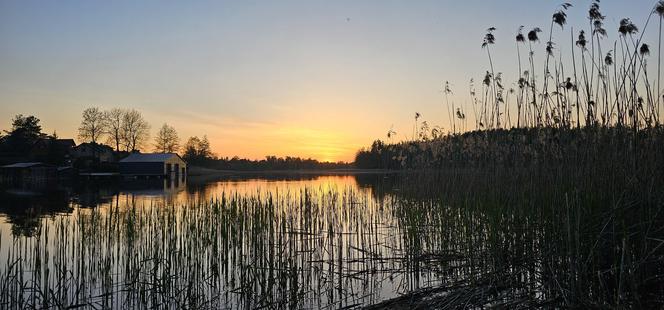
x=534, y=217
x=578, y=237
x=588, y=236
x=555, y=199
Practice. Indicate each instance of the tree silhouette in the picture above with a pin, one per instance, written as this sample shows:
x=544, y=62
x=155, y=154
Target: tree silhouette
x=114, y=118
x=93, y=125
x=167, y=140
x=25, y=131
x=135, y=130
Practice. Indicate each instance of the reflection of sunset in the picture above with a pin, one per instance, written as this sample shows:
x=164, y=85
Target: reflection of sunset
x=252, y=186
x=178, y=194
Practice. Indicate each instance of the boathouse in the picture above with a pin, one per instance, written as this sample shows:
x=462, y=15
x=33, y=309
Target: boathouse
x=27, y=172
x=153, y=164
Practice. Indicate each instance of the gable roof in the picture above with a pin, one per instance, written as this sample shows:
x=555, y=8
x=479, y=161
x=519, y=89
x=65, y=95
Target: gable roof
x=96, y=146
x=149, y=157
x=66, y=142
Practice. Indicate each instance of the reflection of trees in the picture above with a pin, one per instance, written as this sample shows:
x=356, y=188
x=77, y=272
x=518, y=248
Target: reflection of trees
x=24, y=209
x=380, y=184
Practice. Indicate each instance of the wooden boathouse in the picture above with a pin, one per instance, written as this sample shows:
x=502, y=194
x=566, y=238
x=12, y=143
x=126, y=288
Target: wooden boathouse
x=168, y=165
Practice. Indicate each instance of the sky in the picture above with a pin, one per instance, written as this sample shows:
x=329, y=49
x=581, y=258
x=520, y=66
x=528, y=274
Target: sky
x=317, y=79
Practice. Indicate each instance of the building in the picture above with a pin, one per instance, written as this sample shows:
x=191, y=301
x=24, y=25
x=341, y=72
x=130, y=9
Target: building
x=93, y=151
x=27, y=172
x=55, y=151
x=169, y=165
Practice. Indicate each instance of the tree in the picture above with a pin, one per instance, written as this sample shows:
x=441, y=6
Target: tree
x=204, y=149
x=26, y=126
x=197, y=150
x=93, y=125
x=114, y=118
x=135, y=130
x=190, y=149
x=25, y=132
x=167, y=140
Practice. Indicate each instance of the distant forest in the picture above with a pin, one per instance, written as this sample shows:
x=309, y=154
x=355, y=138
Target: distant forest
x=269, y=163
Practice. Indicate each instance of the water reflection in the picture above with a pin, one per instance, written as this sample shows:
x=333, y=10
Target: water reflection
x=307, y=241
x=21, y=208
x=293, y=219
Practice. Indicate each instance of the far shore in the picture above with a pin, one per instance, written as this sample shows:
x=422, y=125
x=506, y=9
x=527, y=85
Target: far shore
x=202, y=171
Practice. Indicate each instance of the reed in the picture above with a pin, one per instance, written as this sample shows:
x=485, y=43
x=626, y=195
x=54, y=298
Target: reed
x=546, y=236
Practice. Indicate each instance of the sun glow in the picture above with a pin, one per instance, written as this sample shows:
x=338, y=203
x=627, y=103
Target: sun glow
x=283, y=140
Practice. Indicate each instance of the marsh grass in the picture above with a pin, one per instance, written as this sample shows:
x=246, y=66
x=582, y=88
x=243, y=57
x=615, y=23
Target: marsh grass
x=459, y=238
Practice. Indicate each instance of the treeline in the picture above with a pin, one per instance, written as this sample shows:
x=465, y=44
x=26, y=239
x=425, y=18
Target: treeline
x=523, y=147
x=269, y=163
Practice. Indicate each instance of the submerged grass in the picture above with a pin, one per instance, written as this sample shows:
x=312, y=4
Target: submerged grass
x=460, y=238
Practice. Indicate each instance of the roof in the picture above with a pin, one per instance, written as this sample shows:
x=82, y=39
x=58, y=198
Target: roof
x=66, y=142
x=62, y=143
x=24, y=165
x=149, y=157
x=97, y=146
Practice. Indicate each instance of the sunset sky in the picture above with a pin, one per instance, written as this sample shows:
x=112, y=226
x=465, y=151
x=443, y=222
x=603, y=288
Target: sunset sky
x=303, y=78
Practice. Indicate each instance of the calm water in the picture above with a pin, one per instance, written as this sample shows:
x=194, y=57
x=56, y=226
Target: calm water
x=513, y=238
x=296, y=241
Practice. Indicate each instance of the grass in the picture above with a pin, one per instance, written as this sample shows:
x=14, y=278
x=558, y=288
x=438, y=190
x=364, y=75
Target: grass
x=545, y=237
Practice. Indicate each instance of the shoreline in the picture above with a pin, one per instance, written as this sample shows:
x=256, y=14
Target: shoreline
x=197, y=171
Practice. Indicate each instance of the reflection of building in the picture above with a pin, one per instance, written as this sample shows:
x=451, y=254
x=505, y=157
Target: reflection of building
x=168, y=165
x=24, y=207
x=154, y=186
x=27, y=172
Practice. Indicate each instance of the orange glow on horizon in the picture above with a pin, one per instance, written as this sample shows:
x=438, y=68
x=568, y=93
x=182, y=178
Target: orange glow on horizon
x=322, y=145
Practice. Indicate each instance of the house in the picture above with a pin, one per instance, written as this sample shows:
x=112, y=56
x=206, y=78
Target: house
x=52, y=150
x=65, y=144
x=27, y=172
x=98, y=152
x=153, y=164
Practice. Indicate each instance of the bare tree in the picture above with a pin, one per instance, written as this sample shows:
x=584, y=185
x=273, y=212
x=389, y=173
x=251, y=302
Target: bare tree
x=167, y=140
x=135, y=130
x=93, y=125
x=114, y=119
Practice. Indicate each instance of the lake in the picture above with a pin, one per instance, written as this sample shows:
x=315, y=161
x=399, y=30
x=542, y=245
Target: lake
x=324, y=236
x=317, y=241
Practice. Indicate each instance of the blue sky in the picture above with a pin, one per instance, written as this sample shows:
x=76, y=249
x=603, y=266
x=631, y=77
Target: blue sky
x=306, y=78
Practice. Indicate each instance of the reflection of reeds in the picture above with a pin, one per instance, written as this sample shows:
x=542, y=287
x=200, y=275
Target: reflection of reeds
x=523, y=237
